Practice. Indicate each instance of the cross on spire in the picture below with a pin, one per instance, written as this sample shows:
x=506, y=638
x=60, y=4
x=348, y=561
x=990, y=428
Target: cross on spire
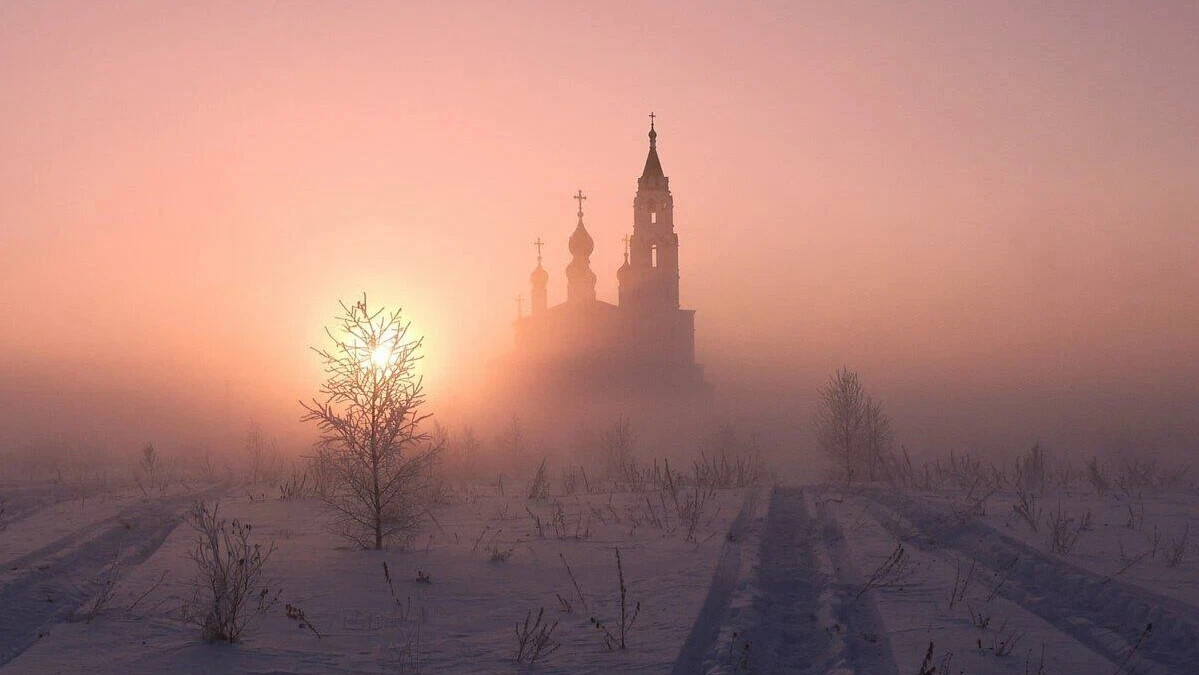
x=539, y=244
x=579, y=197
x=651, y=120
x=625, y=240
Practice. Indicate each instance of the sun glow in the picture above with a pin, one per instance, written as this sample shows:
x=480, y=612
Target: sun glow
x=381, y=356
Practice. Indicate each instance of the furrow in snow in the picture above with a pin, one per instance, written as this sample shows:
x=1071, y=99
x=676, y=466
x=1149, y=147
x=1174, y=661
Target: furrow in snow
x=1103, y=613
x=55, y=581
x=867, y=647
x=701, y=650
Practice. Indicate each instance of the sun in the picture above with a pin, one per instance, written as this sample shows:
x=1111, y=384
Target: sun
x=381, y=356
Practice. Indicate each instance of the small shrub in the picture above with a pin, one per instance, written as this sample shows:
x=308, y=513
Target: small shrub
x=230, y=591
x=1031, y=471
x=1003, y=641
x=154, y=475
x=1177, y=547
x=295, y=485
x=980, y=620
x=691, y=509
x=108, y=585
x=1027, y=508
x=1064, y=531
x=499, y=554
x=539, y=487
x=573, y=480
x=1097, y=476
x=535, y=641
x=1136, y=515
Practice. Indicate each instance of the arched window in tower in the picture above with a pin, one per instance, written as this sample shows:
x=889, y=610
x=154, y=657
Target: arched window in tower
x=653, y=217
x=653, y=255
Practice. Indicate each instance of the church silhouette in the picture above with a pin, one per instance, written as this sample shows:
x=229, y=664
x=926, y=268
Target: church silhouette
x=644, y=344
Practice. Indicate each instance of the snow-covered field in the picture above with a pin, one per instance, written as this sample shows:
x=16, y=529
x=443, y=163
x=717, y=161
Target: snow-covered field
x=784, y=579
x=461, y=620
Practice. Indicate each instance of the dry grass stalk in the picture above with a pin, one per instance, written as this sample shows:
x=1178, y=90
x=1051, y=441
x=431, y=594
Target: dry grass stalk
x=890, y=572
x=108, y=585
x=297, y=614
x=1133, y=650
x=627, y=618
x=961, y=581
x=535, y=641
x=573, y=581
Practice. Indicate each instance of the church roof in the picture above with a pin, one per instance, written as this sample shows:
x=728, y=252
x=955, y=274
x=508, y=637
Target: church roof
x=653, y=166
x=585, y=306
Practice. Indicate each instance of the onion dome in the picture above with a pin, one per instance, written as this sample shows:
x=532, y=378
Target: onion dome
x=581, y=243
x=623, y=272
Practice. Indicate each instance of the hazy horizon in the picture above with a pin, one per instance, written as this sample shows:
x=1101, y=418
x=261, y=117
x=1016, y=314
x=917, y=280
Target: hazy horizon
x=989, y=212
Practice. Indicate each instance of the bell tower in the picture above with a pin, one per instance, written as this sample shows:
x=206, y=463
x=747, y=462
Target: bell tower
x=650, y=281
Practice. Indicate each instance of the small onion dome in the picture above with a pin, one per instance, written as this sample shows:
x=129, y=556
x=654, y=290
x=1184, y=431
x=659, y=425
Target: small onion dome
x=539, y=277
x=581, y=244
x=623, y=272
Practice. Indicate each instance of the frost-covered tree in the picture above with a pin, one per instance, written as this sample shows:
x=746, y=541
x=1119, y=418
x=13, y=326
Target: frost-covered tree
x=852, y=428
x=371, y=442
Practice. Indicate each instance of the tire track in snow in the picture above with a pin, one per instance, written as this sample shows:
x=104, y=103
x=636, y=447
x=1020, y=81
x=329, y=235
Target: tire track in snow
x=701, y=646
x=1103, y=613
x=866, y=643
x=789, y=636
x=807, y=618
x=51, y=584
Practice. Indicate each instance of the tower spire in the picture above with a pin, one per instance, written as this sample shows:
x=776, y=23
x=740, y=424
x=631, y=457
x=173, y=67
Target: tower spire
x=653, y=166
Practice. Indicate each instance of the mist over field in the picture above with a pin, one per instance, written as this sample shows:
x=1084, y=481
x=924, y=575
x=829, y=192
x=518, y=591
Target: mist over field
x=989, y=212
x=942, y=264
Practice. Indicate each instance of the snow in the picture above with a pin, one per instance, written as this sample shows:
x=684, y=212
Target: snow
x=469, y=609
x=782, y=579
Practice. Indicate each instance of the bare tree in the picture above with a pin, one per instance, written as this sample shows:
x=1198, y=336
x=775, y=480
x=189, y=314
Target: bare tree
x=840, y=419
x=370, y=439
x=617, y=448
x=260, y=452
x=876, y=437
x=852, y=428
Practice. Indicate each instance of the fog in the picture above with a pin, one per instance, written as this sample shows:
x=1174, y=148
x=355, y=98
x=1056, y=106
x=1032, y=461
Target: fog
x=990, y=214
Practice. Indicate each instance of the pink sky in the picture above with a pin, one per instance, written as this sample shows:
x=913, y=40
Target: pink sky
x=991, y=210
